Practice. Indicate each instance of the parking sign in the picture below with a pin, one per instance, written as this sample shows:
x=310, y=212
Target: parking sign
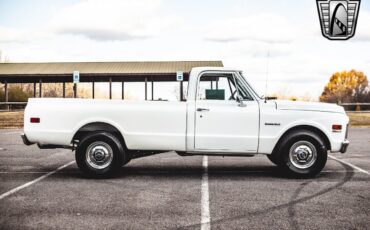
x=179, y=76
x=76, y=76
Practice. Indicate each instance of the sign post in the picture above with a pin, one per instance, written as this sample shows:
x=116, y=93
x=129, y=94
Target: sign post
x=180, y=78
x=76, y=79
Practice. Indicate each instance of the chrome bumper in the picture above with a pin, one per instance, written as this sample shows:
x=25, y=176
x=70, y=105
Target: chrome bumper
x=344, y=147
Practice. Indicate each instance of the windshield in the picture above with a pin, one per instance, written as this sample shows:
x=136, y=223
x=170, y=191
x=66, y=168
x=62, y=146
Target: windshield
x=250, y=87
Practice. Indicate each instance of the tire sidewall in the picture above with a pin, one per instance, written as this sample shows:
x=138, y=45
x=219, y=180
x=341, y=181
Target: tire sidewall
x=321, y=151
x=112, y=141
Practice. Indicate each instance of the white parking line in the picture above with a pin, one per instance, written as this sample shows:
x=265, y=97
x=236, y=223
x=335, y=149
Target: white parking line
x=205, y=215
x=28, y=172
x=351, y=165
x=14, y=190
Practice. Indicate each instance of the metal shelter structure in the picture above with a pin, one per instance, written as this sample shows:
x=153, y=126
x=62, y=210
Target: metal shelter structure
x=62, y=72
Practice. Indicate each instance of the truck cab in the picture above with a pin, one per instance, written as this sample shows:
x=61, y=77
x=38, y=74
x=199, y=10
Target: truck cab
x=223, y=113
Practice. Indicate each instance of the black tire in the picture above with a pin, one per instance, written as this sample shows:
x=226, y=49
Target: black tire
x=302, y=142
x=106, y=156
x=128, y=159
x=272, y=158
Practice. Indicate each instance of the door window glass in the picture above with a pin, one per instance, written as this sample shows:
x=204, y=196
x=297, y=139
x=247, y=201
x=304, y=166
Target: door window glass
x=221, y=87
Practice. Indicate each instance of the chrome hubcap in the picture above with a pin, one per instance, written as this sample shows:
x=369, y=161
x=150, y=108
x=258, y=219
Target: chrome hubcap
x=99, y=155
x=303, y=154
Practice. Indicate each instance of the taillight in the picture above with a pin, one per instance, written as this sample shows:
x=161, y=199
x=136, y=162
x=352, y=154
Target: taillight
x=35, y=120
x=336, y=128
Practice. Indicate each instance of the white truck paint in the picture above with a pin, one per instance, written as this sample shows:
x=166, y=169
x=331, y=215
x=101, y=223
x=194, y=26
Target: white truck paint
x=194, y=126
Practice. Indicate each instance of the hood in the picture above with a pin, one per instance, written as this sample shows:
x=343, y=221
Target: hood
x=309, y=106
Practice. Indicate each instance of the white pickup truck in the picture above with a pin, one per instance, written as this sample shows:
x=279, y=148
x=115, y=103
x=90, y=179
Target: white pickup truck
x=221, y=116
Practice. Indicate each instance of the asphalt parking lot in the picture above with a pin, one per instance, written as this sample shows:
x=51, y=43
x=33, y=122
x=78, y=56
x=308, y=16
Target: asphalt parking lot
x=167, y=191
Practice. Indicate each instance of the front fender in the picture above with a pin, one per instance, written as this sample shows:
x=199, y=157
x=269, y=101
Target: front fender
x=270, y=134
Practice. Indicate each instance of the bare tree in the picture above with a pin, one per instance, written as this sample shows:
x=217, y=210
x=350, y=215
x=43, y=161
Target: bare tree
x=3, y=58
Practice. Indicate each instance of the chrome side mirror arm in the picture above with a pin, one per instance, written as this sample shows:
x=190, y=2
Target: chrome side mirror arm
x=240, y=102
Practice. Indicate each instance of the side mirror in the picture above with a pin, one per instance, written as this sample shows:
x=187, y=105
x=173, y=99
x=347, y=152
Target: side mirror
x=240, y=101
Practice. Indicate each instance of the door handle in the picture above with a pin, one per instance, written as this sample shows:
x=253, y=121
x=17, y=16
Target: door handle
x=202, y=110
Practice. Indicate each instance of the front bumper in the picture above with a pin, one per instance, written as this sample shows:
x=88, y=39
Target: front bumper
x=344, y=147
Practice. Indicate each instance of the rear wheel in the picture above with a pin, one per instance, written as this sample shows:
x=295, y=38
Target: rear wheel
x=302, y=154
x=100, y=154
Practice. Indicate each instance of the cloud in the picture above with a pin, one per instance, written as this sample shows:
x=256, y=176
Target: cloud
x=98, y=20
x=272, y=52
x=363, y=26
x=11, y=35
x=266, y=28
x=112, y=19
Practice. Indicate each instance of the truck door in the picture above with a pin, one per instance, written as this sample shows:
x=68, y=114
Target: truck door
x=226, y=115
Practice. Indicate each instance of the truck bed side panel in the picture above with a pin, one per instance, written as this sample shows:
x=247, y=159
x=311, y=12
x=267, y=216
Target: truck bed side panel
x=145, y=125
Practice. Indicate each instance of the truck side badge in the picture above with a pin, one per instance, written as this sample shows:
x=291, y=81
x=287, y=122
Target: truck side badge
x=273, y=124
x=338, y=18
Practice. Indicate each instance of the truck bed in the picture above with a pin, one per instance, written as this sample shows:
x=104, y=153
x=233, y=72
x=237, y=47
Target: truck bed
x=146, y=125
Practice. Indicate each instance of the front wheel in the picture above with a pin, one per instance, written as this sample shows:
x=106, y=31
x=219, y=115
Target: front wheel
x=303, y=154
x=100, y=154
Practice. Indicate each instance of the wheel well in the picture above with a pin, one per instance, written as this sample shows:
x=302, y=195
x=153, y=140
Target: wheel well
x=96, y=127
x=304, y=127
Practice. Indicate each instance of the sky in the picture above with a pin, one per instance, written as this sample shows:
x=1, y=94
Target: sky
x=278, y=40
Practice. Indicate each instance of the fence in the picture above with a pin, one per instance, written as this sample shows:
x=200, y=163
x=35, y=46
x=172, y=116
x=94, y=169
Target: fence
x=6, y=106
x=356, y=107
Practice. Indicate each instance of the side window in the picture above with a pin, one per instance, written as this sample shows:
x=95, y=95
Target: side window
x=216, y=87
x=221, y=87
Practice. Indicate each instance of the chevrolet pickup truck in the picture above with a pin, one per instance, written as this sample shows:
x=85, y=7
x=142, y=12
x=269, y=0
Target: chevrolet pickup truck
x=221, y=116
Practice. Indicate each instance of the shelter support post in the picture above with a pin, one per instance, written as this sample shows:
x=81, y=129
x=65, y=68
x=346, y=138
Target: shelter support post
x=64, y=89
x=40, y=88
x=110, y=88
x=34, y=89
x=152, y=90
x=146, y=88
x=6, y=92
x=93, y=89
x=123, y=90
